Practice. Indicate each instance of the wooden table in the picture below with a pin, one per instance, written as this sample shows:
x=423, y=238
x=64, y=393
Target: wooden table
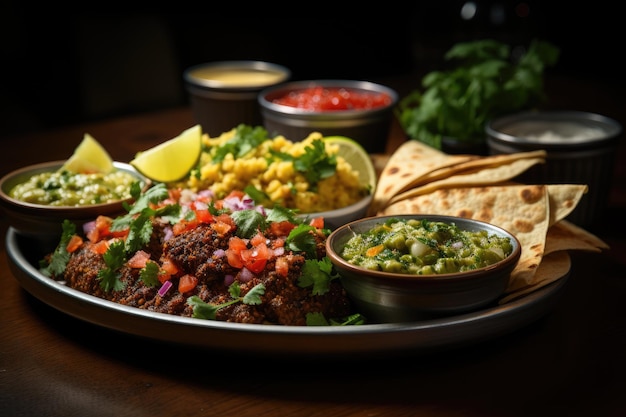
x=569, y=362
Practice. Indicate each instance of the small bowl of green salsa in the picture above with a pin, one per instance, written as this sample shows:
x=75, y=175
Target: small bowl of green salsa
x=38, y=198
x=411, y=267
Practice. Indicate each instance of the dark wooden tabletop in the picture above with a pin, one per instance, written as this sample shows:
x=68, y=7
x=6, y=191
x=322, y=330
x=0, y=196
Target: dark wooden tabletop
x=568, y=362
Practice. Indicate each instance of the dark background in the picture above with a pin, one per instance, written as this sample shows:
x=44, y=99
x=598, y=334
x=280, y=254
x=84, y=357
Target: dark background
x=59, y=68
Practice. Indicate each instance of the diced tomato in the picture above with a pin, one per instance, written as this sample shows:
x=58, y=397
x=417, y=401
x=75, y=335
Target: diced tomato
x=221, y=228
x=183, y=226
x=281, y=228
x=187, y=283
x=234, y=258
x=225, y=218
x=93, y=235
x=174, y=193
x=102, y=230
x=100, y=247
x=255, y=259
x=237, y=244
x=258, y=239
x=282, y=266
x=203, y=216
x=139, y=259
x=74, y=243
x=170, y=267
x=235, y=193
x=317, y=222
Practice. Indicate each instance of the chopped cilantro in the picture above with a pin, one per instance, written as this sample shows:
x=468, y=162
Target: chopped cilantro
x=246, y=139
x=60, y=256
x=204, y=310
x=149, y=274
x=318, y=319
x=315, y=163
x=248, y=222
x=317, y=274
x=301, y=240
x=114, y=259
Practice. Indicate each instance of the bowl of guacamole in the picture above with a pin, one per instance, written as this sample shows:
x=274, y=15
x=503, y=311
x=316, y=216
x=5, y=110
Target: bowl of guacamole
x=410, y=267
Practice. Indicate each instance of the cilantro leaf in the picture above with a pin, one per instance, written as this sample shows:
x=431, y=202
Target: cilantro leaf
x=317, y=274
x=248, y=222
x=114, y=259
x=487, y=81
x=150, y=274
x=315, y=163
x=280, y=213
x=204, y=310
x=253, y=297
x=60, y=257
x=300, y=239
x=246, y=139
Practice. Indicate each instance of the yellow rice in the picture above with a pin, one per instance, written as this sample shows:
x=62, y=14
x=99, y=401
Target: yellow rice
x=278, y=179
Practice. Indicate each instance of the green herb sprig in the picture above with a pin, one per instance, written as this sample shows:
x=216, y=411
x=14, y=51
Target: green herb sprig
x=488, y=81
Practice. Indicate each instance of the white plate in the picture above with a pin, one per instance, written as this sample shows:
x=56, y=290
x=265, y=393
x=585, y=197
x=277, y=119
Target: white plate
x=416, y=337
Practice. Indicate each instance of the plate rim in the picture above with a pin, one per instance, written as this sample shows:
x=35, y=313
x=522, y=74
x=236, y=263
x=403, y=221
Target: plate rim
x=417, y=336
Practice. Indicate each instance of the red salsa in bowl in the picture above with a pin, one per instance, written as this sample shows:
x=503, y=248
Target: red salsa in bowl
x=360, y=110
x=318, y=98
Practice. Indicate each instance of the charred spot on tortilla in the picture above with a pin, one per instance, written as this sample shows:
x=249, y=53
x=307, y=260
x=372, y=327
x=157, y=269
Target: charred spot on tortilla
x=532, y=194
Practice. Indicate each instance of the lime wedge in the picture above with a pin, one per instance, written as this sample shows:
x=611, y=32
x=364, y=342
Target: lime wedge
x=357, y=157
x=89, y=157
x=171, y=160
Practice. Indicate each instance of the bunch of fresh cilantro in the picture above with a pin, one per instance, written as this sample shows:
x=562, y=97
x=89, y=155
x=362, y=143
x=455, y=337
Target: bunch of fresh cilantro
x=489, y=80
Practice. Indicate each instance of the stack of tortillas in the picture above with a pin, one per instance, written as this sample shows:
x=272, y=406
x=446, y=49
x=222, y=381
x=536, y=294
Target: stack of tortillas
x=418, y=179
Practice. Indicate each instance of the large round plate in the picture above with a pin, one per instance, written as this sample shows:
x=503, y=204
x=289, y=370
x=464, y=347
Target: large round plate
x=419, y=336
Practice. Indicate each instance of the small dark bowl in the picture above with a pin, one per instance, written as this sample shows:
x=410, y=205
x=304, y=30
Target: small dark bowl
x=369, y=127
x=580, y=146
x=391, y=297
x=43, y=223
x=223, y=94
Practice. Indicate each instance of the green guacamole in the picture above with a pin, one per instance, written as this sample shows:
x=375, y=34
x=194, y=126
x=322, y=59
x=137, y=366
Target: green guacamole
x=423, y=247
x=70, y=189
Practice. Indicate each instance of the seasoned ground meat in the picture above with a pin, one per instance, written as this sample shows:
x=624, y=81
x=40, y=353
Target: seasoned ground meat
x=202, y=251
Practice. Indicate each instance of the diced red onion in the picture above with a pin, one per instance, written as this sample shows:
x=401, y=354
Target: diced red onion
x=201, y=205
x=165, y=288
x=218, y=253
x=89, y=226
x=279, y=251
x=169, y=233
x=229, y=279
x=245, y=275
x=206, y=193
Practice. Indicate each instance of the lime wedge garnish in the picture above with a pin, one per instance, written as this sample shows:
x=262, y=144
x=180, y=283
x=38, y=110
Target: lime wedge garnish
x=357, y=157
x=89, y=157
x=171, y=160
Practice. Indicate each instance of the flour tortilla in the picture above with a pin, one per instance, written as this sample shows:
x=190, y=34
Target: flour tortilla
x=523, y=210
x=561, y=238
x=406, y=166
x=565, y=235
x=563, y=199
x=553, y=267
x=480, y=176
x=477, y=164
